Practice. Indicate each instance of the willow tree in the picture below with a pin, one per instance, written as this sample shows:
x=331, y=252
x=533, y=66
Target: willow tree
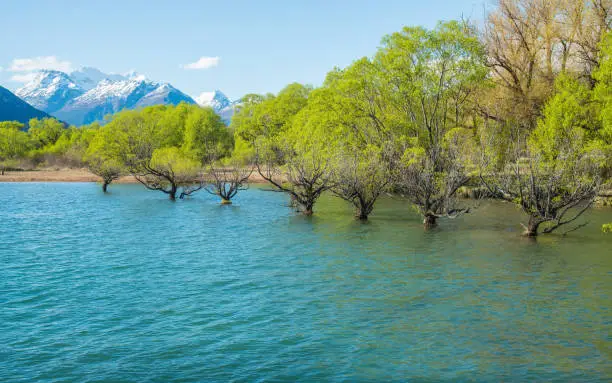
x=554, y=174
x=284, y=155
x=225, y=179
x=350, y=116
x=298, y=166
x=151, y=148
x=361, y=177
x=103, y=157
x=169, y=169
x=429, y=77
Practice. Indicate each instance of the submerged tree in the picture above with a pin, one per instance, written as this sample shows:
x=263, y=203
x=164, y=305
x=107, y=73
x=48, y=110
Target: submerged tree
x=284, y=155
x=165, y=147
x=602, y=95
x=226, y=181
x=551, y=194
x=361, y=179
x=206, y=138
x=103, y=157
x=167, y=170
x=107, y=169
x=359, y=124
x=555, y=174
x=430, y=77
x=304, y=174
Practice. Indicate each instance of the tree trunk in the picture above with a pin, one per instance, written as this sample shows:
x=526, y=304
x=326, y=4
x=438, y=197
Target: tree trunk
x=105, y=186
x=225, y=201
x=172, y=193
x=308, y=209
x=362, y=213
x=532, y=227
x=429, y=221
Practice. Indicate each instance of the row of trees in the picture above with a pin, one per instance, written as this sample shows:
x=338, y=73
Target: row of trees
x=175, y=150
x=520, y=109
x=45, y=141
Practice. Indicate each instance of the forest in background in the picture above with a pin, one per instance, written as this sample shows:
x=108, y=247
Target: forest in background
x=518, y=109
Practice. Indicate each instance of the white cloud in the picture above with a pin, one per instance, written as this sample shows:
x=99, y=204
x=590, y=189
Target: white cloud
x=25, y=77
x=203, y=63
x=38, y=63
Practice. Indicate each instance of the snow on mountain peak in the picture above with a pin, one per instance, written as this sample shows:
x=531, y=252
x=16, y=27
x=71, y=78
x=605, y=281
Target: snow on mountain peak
x=216, y=100
x=88, y=77
x=45, y=79
x=49, y=90
x=88, y=94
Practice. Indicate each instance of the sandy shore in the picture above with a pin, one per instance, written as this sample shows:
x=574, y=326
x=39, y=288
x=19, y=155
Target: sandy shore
x=74, y=175
x=53, y=175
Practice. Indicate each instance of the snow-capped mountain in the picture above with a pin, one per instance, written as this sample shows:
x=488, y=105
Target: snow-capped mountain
x=50, y=90
x=216, y=100
x=109, y=97
x=219, y=102
x=87, y=95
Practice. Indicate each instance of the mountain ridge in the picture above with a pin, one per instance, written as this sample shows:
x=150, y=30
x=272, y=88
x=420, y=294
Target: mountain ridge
x=88, y=94
x=13, y=108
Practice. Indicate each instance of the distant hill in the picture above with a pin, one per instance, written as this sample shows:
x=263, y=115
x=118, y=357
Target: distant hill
x=12, y=108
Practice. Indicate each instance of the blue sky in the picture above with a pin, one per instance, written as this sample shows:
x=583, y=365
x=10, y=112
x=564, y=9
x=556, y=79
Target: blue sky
x=246, y=46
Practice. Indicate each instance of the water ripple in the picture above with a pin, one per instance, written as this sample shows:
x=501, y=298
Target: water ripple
x=132, y=287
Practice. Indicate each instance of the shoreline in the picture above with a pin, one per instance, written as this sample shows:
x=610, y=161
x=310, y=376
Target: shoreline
x=84, y=175
x=76, y=175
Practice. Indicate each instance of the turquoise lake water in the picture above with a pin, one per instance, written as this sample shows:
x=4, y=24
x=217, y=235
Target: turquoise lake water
x=130, y=287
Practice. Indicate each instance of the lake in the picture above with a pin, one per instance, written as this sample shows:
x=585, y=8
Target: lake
x=130, y=287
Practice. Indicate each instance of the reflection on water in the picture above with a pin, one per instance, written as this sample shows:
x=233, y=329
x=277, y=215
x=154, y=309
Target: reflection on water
x=132, y=287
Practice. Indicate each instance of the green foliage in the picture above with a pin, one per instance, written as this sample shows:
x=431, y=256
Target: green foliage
x=602, y=94
x=14, y=144
x=568, y=124
x=607, y=228
x=418, y=117
x=603, y=89
x=45, y=132
x=164, y=147
x=11, y=125
x=428, y=76
x=269, y=116
x=206, y=136
x=103, y=155
x=173, y=160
